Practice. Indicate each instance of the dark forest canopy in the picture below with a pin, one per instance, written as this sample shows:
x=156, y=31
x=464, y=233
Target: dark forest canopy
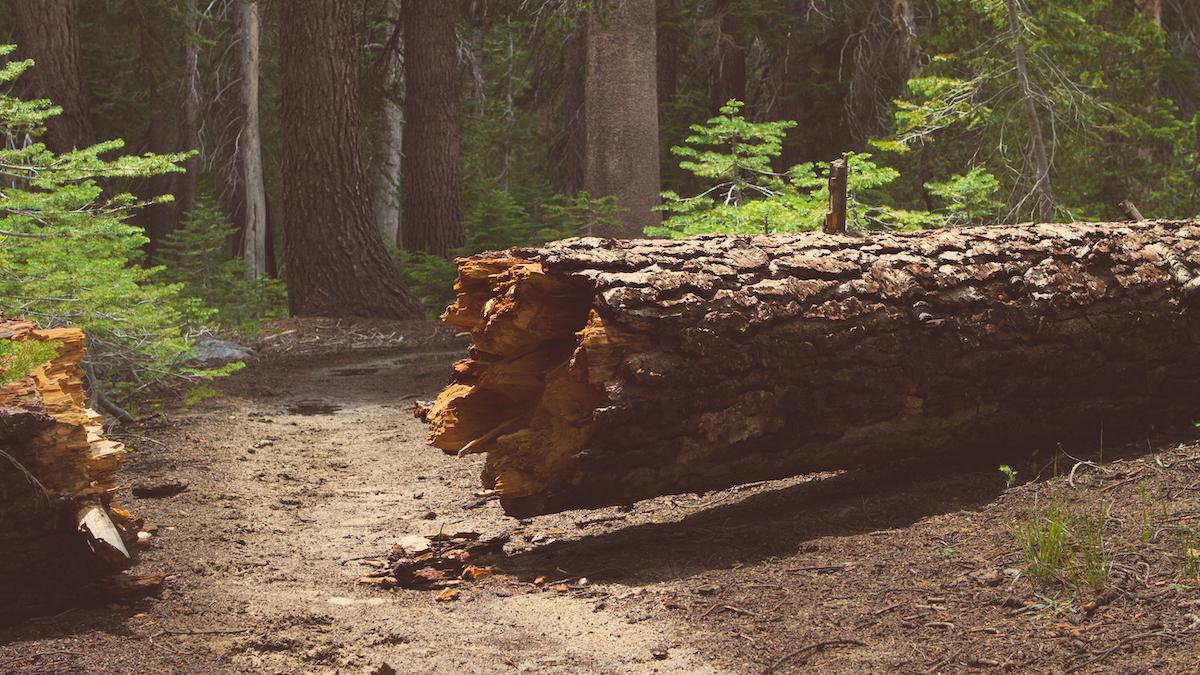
x=451, y=128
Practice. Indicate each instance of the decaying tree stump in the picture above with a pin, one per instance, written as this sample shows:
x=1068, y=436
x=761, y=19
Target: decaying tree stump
x=606, y=371
x=56, y=479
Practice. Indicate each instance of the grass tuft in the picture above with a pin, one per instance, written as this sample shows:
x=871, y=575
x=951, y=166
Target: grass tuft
x=1096, y=560
x=1045, y=542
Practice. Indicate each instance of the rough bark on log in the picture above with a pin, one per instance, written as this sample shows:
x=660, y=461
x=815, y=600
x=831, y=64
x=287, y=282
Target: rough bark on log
x=640, y=368
x=56, y=476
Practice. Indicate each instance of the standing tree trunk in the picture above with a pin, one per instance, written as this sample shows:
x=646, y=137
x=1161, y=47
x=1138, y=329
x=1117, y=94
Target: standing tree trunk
x=336, y=262
x=249, y=146
x=1042, y=187
x=432, y=169
x=1152, y=9
x=185, y=185
x=905, y=23
x=47, y=31
x=667, y=54
x=730, y=80
x=620, y=97
x=571, y=146
x=389, y=130
x=157, y=220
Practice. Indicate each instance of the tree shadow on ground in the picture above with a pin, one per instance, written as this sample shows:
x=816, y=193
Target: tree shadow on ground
x=766, y=524
x=784, y=521
x=71, y=607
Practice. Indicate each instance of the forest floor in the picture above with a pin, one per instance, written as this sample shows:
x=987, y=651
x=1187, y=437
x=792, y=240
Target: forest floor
x=310, y=466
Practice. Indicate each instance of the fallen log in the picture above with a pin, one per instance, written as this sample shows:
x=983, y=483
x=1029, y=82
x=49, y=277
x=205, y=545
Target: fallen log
x=56, y=478
x=605, y=371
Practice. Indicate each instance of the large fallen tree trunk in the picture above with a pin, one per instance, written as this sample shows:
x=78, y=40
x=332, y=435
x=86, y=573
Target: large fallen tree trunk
x=57, y=531
x=606, y=371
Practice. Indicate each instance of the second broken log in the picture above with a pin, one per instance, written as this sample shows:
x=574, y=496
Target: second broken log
x=607, y=371
x=60, y=533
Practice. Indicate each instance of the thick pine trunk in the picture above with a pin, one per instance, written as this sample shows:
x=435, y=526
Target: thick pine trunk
x=620, y=99
x=336, y=262
x=607, y=371
x=432, y=183
x=47, y=31
x=56, y=482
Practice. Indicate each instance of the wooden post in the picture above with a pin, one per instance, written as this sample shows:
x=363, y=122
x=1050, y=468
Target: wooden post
x=835, y=217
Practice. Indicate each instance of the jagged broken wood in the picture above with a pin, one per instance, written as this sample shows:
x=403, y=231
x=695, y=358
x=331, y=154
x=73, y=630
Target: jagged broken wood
x=648, y=367
x=56, y=481
x=839, y=185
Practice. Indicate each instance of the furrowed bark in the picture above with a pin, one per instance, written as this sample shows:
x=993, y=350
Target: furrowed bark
x=47, y=31
x=337, y=264
x=56, y=480
x=620, y=128
x=641, y=368
x=431, y=168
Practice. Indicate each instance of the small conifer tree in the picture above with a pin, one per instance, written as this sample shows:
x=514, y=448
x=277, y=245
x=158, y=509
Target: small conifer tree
x=68, y=253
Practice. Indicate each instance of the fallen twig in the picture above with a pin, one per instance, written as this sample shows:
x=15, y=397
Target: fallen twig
x=815, y=647
x=143, y=438
x=821, y=568
x=943, y=661
x=596, y=520
x=1121, y=644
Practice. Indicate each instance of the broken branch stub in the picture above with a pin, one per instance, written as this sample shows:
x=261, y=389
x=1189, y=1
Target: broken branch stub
x=648, y=367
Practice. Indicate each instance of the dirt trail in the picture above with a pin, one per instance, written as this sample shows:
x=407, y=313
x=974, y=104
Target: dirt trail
x=306, y=465
x=294, y=472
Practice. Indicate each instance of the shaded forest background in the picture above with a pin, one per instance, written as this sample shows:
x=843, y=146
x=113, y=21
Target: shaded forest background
x=450, y=128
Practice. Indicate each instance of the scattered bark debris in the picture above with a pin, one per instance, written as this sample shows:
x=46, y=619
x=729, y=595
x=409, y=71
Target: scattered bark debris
x=481, y=498
x=420, y=410
x=438, y=561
